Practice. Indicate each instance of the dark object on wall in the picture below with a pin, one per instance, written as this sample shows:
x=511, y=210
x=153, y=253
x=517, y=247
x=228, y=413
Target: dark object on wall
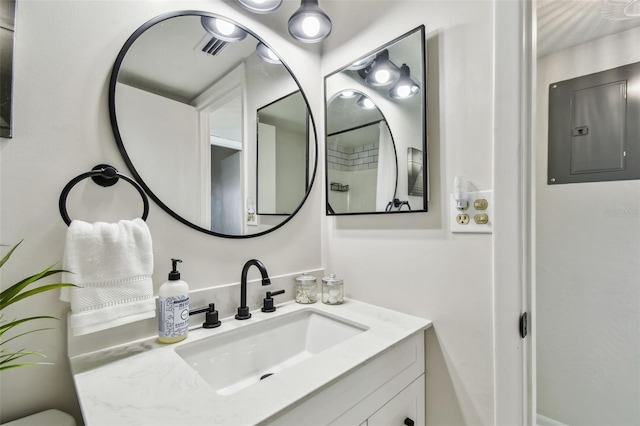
x=415, y=170
x=594, y=127
x=7, y=20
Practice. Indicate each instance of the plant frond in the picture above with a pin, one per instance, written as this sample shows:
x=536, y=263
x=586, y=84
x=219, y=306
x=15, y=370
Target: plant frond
x=22, y=334
x=32, y=292
x=14, y=323
x=11, y=292
x=6, y=367
x=8, y=255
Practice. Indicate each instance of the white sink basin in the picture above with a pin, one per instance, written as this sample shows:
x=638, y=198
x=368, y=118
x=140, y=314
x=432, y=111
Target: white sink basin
x=232, y=361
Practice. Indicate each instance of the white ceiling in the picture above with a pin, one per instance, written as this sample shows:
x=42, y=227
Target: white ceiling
x=566, y=23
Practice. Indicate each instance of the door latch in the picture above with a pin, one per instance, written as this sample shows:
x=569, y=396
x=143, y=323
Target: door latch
x=523, y=325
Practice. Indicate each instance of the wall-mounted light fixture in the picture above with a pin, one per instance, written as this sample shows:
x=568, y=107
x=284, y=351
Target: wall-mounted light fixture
x=267, y=54
x=223, y=30
x=405, y=87
x=365, y=103
x=383, y=72
x=309, y=24
x=260, y=6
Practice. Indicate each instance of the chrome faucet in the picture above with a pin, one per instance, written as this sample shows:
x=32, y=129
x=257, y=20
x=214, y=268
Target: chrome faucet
x=243, y=309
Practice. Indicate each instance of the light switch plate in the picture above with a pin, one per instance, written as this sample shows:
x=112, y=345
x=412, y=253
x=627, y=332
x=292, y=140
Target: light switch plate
x=472, y=226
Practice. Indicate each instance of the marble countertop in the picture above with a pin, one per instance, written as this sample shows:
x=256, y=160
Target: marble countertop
x=147, y=383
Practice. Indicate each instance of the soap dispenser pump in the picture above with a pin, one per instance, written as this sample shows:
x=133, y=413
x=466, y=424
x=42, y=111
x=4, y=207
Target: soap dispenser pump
x=173, y=307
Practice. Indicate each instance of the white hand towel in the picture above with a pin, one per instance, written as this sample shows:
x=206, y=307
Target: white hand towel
x=112, y=264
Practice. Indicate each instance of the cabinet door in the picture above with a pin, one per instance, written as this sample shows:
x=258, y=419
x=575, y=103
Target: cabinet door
x=405, y=408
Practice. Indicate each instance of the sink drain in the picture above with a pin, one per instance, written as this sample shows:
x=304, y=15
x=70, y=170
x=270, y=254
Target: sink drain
x=264, y=376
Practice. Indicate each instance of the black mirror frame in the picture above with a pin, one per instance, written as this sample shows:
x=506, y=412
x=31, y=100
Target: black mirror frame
x=116, y=131
x=423, y=93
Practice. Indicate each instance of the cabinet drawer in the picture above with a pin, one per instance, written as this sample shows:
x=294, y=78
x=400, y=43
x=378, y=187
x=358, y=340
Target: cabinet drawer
x=403, y=409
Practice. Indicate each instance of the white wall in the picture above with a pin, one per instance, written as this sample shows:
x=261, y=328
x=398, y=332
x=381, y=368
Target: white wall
x=588, y=264
x=169, y=128
x=64, y=52
x=412, y=262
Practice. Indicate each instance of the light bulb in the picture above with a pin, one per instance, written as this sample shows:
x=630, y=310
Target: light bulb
x=382, y=76
x=267, y=54
x=272, y=55
x=311, y=26
x=404, y=91
x=383, y=72
x=365, y=103
x=224, y=27
x=260, y=6
x=405, y=87
x=368, y=104
x=347, y=94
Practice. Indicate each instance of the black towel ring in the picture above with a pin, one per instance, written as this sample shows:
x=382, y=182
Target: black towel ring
x=104, y=175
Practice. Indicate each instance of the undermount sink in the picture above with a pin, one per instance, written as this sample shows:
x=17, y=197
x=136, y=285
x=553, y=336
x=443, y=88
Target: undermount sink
x=237, y=359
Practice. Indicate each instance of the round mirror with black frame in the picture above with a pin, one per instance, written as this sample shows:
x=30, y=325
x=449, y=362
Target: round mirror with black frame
x=183, y=101
x=385, y=87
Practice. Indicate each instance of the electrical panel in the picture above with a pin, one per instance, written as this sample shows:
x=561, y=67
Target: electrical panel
x=594, y=127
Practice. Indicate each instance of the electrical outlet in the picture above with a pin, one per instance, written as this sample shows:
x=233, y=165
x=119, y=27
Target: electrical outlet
x=462, y=219
x=477, y=218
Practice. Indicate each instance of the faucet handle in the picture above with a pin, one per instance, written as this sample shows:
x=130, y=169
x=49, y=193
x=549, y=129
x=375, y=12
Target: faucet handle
x=267, y=302
x=210, y=317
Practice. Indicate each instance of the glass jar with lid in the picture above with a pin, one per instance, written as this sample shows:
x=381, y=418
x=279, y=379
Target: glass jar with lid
x=332, y=290
x=306, y=288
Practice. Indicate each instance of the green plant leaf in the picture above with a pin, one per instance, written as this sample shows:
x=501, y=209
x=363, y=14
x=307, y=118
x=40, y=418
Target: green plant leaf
x=9, y=293
x=6, y=327
x=6, y=359
x=8, y=255
x=32, y=292
x=21, y=334
x=11, y=358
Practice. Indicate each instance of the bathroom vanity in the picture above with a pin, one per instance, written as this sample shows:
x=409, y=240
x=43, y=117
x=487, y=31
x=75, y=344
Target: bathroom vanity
x=349, y=364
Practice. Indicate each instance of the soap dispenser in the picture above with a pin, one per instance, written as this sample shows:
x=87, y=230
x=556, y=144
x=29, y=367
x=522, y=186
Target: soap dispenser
x=173, y=307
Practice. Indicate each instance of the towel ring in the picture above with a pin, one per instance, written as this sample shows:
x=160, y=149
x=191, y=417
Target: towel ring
x=103, y=175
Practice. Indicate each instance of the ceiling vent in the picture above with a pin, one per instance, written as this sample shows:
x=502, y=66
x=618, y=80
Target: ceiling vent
x=214, y=46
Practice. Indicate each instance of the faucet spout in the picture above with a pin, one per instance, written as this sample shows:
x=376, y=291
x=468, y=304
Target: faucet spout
x=243, y=309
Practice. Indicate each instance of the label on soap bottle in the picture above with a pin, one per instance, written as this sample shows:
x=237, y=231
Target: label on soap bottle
x=173, y=320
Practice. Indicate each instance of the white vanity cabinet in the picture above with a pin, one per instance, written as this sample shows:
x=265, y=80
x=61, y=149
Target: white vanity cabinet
x=385, y=391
